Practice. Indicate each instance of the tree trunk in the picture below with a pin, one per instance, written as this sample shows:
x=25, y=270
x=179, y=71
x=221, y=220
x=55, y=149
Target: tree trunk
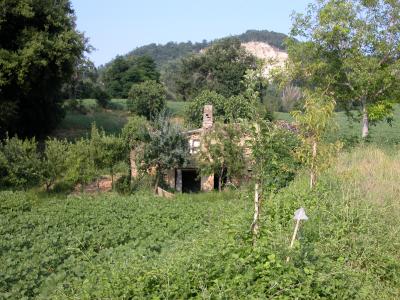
x=48, y=184
x=157, y=180
x=112, y=178
x=365, y=122
x=313, y=173
x=257, y=206
x=132, y=163
x=220, y=183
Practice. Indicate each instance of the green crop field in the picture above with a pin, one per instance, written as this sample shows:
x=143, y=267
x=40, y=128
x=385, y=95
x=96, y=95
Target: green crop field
x=199, y=246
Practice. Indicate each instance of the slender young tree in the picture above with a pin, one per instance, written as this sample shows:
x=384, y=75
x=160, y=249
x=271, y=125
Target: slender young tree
x=314, y=122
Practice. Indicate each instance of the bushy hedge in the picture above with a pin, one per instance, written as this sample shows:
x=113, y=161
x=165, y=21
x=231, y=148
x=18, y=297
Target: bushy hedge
x=23, y=164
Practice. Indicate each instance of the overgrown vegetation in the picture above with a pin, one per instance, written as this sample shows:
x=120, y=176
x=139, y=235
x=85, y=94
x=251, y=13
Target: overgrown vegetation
x=200, y=246
x=63, y=239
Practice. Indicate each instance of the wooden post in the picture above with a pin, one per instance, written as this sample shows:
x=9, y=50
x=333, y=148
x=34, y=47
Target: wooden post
x=255, y=226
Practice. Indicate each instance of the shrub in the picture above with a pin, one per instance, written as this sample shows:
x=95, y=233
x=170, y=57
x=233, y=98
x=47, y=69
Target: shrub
x=273, y=156
x=127, y=185
x=54, y=161
x=107, y=150
x=81, y=165
x=20, y=164
x=147, y=99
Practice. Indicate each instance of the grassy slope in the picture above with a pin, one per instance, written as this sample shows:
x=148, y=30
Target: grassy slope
x=350, y=131
x=199, y=245
x=76, y=124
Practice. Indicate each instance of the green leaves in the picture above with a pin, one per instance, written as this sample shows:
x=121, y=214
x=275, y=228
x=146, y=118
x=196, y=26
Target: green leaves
x=220, y=68
x=121, y=73
x=222, y=152
x=232, y=109
x=40, y=47
x=349, y=52
x=167, y=146
x=273, y=161
x=20, y=164
x=147, y=99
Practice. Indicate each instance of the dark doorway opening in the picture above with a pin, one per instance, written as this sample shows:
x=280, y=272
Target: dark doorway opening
x=191, y=182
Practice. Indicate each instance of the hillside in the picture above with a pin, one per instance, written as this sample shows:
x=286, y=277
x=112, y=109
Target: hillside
x=163, y=53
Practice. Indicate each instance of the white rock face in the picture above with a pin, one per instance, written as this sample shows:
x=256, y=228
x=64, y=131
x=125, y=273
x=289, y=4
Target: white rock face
x=262, y=50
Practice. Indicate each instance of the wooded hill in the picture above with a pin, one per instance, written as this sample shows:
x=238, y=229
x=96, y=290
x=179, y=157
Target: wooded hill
x=164, y=53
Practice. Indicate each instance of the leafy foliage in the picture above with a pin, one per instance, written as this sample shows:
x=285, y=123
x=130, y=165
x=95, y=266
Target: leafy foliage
x=220, y=68
x=54, y=161
x=232, y=109
x=167, y=147
x=81, y=163
x=119, y=75
x=106, y=150
x=273, y=156
x=351, y=51
x=39, y=50
x=222, y=152
x=314, y=123
x=20, y=164
x=147, y=99
x=135, y=131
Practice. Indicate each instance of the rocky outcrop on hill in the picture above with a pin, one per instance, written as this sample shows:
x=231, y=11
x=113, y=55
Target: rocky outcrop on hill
x=273, y=55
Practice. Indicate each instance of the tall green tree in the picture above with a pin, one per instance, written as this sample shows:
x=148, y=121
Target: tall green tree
x=350, y=49
x=119, y=76
x=39, y=48
x=219, y=68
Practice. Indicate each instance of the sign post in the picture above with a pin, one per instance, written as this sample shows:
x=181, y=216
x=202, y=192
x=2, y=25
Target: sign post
x=299, y=215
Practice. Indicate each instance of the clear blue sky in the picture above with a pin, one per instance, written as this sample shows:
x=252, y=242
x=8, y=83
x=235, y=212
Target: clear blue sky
x=118, y=26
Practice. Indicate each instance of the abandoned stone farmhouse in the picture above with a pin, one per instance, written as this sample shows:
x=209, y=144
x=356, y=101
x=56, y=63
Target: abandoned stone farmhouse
x=187, y=179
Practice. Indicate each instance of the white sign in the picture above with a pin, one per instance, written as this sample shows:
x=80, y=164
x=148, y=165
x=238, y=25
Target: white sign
x=300, y=214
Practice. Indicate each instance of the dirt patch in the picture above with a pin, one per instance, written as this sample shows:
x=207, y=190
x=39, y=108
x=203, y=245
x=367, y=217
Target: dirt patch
x=101, y=185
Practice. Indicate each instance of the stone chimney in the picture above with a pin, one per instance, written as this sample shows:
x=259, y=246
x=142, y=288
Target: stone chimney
x=207, y=117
